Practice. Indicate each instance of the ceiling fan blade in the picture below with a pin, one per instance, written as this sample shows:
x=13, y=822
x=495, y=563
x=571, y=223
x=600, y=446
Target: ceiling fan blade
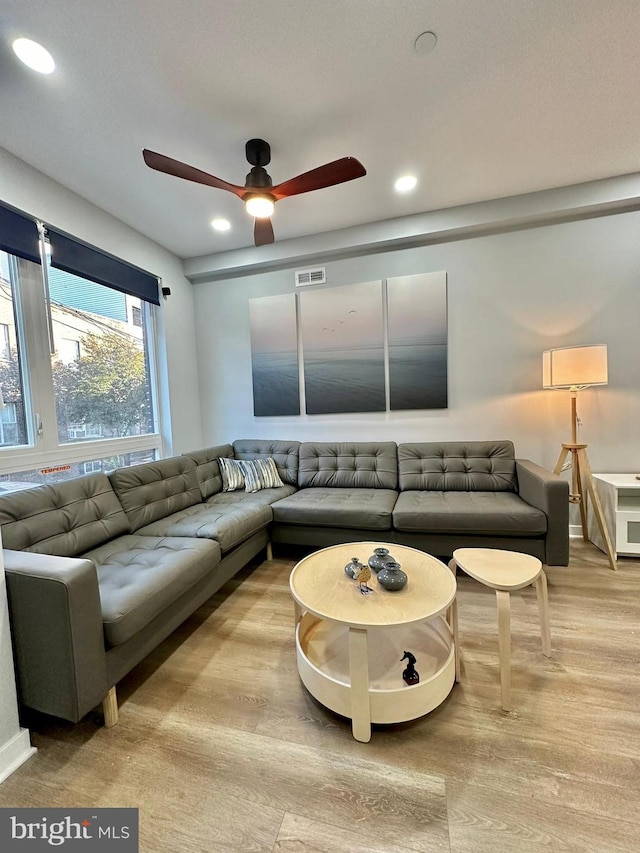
x=181, y=170
x=336, y=172
x=263, y=231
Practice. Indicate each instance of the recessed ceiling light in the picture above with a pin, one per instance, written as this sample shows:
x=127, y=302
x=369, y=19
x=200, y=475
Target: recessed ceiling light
x=221, y=224
x=425, y=42
x=34, y=55
x=405, y=184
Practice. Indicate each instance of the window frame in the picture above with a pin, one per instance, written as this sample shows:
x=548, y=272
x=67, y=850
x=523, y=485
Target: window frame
x=43, y=450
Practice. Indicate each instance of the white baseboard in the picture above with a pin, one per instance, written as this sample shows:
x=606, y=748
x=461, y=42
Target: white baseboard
x=14, y=753
x=575, y=531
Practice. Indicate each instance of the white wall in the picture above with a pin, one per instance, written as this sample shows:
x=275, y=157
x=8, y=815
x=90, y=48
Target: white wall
x=29, y=190
x=510, y=296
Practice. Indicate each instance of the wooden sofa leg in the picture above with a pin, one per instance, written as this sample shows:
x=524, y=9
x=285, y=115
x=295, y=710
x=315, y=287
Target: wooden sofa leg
x=269, y=552
x=110, y=708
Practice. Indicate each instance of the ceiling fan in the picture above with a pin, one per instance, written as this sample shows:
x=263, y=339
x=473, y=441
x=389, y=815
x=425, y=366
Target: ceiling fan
x=258, y=194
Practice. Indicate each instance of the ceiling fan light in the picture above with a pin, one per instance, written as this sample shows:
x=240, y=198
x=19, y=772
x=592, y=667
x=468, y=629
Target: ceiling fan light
x=406, y=183
x=259, y=206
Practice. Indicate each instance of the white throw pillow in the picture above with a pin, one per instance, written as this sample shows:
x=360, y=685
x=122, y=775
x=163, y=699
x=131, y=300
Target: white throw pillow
x=260, y=474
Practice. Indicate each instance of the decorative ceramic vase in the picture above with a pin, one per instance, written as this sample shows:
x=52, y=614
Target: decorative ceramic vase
x=352, y=568
x=379, y=559
x=392, y=577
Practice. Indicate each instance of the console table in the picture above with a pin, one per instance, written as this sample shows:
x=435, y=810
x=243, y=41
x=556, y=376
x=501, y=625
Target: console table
x=620, y=498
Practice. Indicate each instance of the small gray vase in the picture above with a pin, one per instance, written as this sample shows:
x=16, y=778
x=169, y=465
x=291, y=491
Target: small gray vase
x=352, y=569
x=379, y=559
x=392, y=577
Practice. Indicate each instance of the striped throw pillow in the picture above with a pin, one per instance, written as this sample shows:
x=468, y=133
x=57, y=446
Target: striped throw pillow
x=232, y=474
x=260, y=474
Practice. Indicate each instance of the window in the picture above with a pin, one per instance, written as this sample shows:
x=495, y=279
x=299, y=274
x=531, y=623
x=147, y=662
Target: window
x=107, y=387
x=78, y=432
x=5, y=342
x=29, y=478
x=99, y=384
x=68, y=350
x=14, y=415
x=8, y=425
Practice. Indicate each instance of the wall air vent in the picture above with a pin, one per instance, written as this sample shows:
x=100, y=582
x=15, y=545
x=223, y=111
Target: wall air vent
x=317, y=276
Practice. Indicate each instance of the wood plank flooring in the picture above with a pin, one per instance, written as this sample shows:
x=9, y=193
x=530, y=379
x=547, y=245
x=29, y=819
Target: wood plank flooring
x=223, y=750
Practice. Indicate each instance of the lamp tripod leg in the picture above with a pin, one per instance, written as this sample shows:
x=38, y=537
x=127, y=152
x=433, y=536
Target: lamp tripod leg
x=579, y=489
x=597, y=508
x=561, y=459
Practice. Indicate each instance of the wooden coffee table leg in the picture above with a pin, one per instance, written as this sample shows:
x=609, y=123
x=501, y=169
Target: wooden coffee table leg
x=454, y=631
x=359, y=673
x=504, y=646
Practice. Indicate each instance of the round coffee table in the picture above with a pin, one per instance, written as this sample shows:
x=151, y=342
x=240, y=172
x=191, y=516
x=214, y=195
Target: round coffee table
x=349, y=645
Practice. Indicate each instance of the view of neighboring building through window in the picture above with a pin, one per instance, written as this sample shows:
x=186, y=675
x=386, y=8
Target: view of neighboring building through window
x=9, y=425
x=12, y=417
x=99, y=375
x=68, y=350
x=100, y=365
x=5, y=342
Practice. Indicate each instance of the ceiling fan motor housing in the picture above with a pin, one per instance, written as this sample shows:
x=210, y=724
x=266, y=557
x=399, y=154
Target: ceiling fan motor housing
x=259, y=155
x=258, y=152
x=258, y=178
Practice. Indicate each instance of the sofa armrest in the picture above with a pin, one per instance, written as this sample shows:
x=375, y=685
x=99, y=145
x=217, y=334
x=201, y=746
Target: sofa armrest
x=58, y=640
x=549, y=493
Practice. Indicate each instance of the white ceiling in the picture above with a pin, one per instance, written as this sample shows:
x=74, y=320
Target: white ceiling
x=518, y=95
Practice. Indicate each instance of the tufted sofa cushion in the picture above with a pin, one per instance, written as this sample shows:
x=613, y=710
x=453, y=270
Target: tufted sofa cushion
x=140, y=576
x=369, y=509
x=349, y=465
x=226, y=523
x=63, y=519
x=472, y=466
x=285, y=454
x=154, y=490
x=208, y=469
x=482, y=513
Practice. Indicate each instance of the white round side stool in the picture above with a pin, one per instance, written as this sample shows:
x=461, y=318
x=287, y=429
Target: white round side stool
x=506, y=571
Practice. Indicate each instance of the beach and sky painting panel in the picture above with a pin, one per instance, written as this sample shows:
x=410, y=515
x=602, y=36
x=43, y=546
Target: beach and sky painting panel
x=417, y=338
x=343, y=347
x=274, y=355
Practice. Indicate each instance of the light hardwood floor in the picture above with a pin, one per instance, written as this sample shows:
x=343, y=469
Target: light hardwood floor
x=223, y=751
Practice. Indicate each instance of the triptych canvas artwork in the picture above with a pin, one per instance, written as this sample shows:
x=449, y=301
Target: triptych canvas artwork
x=367, y=347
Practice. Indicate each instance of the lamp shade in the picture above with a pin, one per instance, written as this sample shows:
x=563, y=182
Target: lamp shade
x=574, y=367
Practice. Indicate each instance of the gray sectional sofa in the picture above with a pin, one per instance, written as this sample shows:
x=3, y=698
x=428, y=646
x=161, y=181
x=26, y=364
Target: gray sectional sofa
x=102, y=568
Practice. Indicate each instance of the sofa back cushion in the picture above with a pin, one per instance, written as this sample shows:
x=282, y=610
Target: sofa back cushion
x=208, y=469
x=284, y=453
x=154, y=490
x=63, y=519
x=349, y=465
x=455, y=466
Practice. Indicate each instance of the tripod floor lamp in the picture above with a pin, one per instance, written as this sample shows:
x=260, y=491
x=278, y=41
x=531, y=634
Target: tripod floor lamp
x=576, y=368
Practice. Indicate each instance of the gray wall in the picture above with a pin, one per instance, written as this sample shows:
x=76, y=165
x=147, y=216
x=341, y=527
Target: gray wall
x=510, y=296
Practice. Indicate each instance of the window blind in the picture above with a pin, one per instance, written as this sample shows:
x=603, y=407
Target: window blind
x=19, y=235
x=78, y=258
